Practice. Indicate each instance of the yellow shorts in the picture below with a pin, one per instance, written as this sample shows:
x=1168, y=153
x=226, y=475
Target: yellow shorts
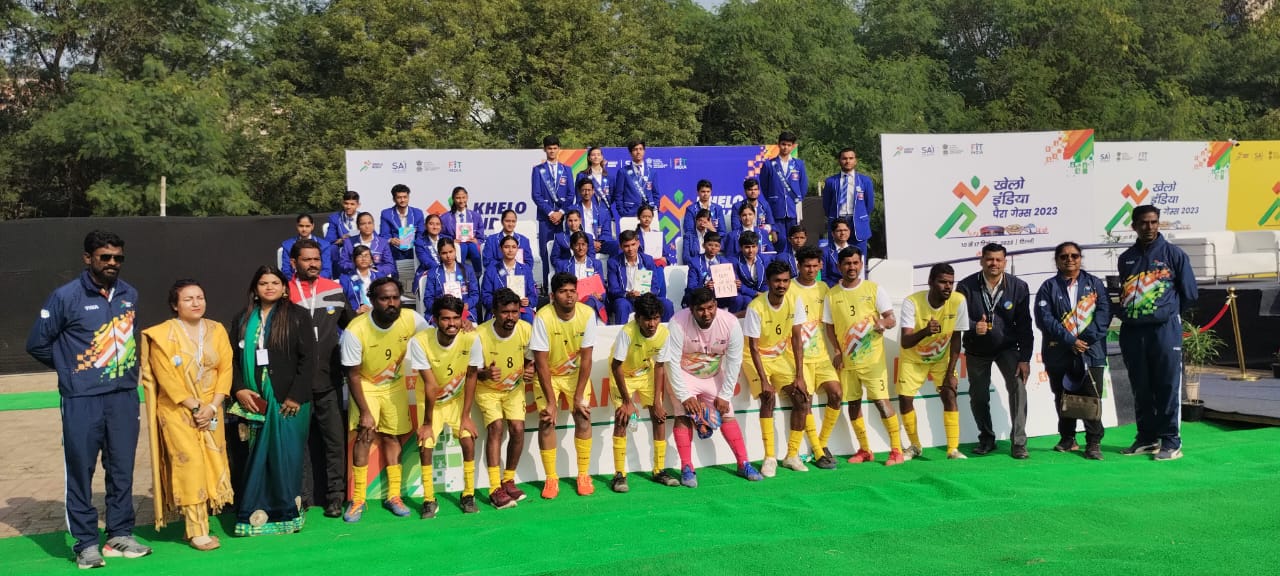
x=500, y=404
x=817, y=372
x=640, y=387
x=389, y=407
x=781, y=371
x=449, y=414
x=565, y=386
x=911, y=376
x=865, y=382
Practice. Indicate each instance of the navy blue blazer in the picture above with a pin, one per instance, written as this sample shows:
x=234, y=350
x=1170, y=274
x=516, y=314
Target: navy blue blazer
x=700, y=270
x=495, y=278
x=569, y=265
x=729, y=246
x=449, y=224
x=493, y=248
x=434, y=288
x=690, y=224
x=604, y=192
x=603, y=225
x=551, y=193
x=668, y=250
x=864, y=202
x=764, y=215
x=326, y=257
x=831, y=263
x=560, y=249
x=378, y=248
x=783, y=190
x=631, y=191
x=355, y=289
x=752, y=284
x=337, y=227
x=389, y=226
x=1053, y=306
x=616, y=279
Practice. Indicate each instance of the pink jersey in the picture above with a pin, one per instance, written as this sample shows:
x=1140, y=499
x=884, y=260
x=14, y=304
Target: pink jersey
x=709, y=359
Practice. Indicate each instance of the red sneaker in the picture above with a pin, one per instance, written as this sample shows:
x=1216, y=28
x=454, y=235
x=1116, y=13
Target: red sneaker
x=895, y=458
x=551, y=489
x=862, y=456
x=585, y=488
x=515, y=493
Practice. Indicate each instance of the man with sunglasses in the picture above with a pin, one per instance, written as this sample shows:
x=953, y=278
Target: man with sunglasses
x=86, y=333
x=999, y=305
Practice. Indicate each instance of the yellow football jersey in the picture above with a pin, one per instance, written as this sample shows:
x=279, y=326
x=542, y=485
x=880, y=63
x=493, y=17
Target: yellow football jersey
x=382, y=351
x=933, y=348
x=564, y=338
x=814, y=338
x=448, y=364
x=775, y=325
x=853, y=315
x=507, y=354
x=642, y=352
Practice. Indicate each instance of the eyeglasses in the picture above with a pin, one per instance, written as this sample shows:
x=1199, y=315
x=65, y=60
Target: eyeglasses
x=105, y=258
x=1068, y=256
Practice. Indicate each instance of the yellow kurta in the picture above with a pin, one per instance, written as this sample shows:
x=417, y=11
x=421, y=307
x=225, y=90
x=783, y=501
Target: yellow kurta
x=189, y=466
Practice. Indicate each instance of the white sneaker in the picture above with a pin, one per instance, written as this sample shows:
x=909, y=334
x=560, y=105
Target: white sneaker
x=794, y=463
x=956, y=455
x=910, y=452
x=769, y=468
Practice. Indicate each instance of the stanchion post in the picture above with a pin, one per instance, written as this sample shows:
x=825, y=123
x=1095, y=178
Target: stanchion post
x=1235, y=327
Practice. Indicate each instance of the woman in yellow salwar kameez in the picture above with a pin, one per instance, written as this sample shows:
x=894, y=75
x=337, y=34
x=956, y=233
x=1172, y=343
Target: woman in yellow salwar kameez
x=186, y=372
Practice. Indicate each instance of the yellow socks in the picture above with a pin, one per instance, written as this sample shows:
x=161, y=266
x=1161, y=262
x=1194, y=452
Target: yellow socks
x=619, y=456
x=468, y=478
x=830, y=417
x=793, y=442
x=766, y=432
x=428, y=483
x=951, y=423
x=860, y=430
x=495, y=478
x=811, y=432
x=583, y=446
x=359, y=484
x=508, y=475
x=895, y=437
x=909, y=422
x=549, y=464
x=393, y=481
x=659, y=455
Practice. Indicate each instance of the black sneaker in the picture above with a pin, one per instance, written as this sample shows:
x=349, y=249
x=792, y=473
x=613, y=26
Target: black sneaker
x=665, y=479
x=429, y=509
x=333, y=509
x=1093, y=452
x=826, y=461
x=1168, y=454
x=619, y=484
x=468, y=504
x=1140, y=447
x=1066, y=445
x=984, y=448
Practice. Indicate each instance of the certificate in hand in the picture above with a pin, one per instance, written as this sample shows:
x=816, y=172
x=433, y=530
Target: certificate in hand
x=643, y=281
x=653, y=244
x=725, y=280
x=466, y=232
x=516, y=283
x=590, y=286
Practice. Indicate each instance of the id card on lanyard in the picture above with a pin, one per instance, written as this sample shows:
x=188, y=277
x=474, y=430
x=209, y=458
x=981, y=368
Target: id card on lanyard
x=310, y=304
x=260, y=355
x=991, y=300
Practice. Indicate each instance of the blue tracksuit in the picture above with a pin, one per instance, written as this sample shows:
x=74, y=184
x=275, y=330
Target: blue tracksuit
x=88, y=335
x=1158, y=286
x=1064, y=321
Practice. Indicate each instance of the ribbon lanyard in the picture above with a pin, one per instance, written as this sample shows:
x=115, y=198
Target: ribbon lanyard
x=310, y=304
x=553, y=180
x=989, y=300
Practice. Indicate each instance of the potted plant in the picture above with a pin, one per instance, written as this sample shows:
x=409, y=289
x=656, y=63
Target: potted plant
x=1199, y=348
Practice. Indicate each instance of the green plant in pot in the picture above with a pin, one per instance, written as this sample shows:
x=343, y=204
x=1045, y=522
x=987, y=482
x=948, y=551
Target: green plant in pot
x=1199, y=348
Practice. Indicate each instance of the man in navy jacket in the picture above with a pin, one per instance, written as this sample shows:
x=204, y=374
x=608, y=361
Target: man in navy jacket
x=618, y=283
x=1000, y=314
x=634, y=184
x=784, y=182
x=850, y=195
x=87, y=333
x=1158, y=286
x=551, y=183
x=402, y=226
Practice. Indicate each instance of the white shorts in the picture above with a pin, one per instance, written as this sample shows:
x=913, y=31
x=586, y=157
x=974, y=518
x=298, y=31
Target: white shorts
x=704, y=389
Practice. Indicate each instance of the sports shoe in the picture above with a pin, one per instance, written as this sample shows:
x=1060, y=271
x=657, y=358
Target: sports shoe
x=956, y=455
x=550, y=489
x=1093, y=452
x=90, y=558
x=501, y=499
x=794, y=463
x=665, y=479
x=769, y=467
x=1019, y=452
x=1163, y=454
x=333, y=509
x=509, y=486
x=354, y=511
x=984, y=448
x=619, y=484
x=911, y=452
x=1066, y=445
x=895, y=458
x=585, y=488
x=127, y=547
x=429, y=509
x=861, y=456
x=750, y=473
x=825, y=462
x=468, y=504
x=396, y=506
x=688, y=478
x=1140, y=447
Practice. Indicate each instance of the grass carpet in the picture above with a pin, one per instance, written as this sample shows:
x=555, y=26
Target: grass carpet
x=1216, y=511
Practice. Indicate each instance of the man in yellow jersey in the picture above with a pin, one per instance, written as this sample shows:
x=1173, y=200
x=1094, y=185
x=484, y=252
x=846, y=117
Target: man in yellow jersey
x=564, y=334
x=932, y=321
x=856, y=313
x=639, y=367
x=817, y=369
x=774, y=327
x=447, y=360
x=373, y=347
x=500, y=395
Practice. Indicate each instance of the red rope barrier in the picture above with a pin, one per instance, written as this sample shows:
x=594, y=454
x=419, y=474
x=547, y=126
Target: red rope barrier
x=1211, y=323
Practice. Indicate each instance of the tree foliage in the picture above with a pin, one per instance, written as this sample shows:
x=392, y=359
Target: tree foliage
x=246, y=106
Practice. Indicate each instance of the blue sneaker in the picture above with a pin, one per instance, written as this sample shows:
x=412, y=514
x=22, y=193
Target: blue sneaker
x=354, y=512
x=396, y=506
x=750, y=473
x=1168, y=453
x=688, y=478
x=1140, y=447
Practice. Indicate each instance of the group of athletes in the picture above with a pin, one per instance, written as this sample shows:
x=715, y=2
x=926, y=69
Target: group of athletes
x=798, y=339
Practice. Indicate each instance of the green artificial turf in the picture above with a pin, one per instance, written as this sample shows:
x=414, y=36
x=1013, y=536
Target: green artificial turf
x=1216, y=511
x=30, y=400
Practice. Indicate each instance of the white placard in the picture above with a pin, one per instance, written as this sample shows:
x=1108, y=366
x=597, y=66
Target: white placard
x=516, y=283
x=725, y=280
x=653, y=244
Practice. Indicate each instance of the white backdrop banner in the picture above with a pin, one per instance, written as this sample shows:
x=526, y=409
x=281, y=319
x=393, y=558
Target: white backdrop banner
x=947, y=195
x=1183, y=179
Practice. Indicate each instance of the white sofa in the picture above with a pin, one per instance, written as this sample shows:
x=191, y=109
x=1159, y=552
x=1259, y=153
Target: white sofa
x=1220, y=255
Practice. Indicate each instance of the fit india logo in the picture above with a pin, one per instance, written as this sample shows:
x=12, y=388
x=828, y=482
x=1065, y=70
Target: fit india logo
x=455, y=166
x=680, y=163
x=1133, y=194
x=964, y=215
x=1272, y=216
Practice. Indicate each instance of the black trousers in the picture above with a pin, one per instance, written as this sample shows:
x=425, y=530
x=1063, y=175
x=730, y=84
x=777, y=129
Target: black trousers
x=1093, y=430
x=980, y=395
x=324, y=469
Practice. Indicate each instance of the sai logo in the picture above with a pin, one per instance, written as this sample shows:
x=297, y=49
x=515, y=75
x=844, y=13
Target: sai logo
x=964, y=215
x=1134, y=195
x=455, y=166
